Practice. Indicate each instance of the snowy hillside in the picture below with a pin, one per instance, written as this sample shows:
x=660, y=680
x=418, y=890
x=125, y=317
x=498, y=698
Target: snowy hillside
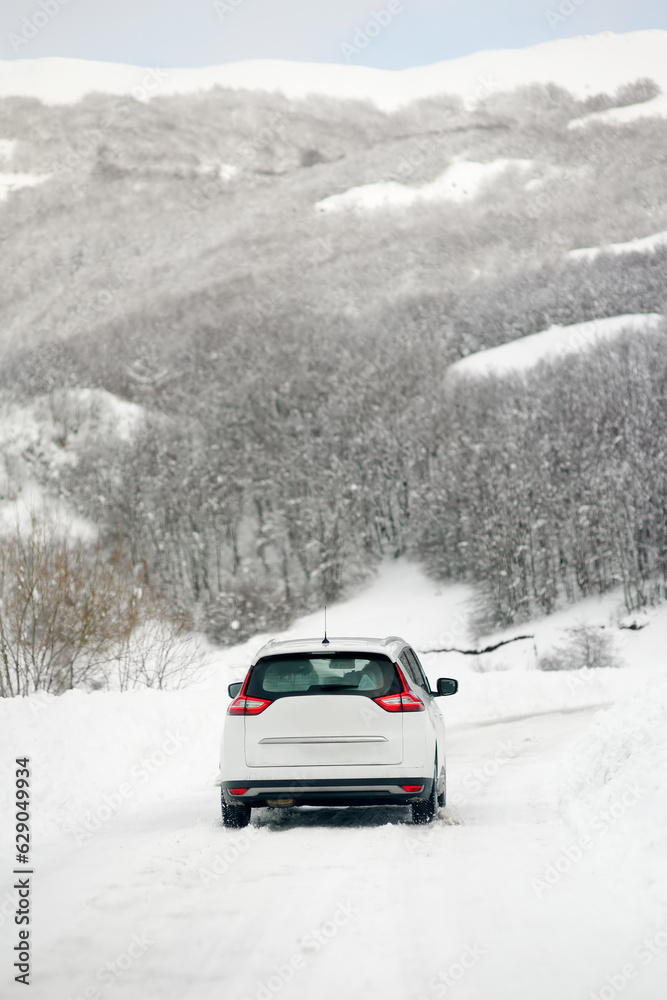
x=584, y=66
x=288, y=283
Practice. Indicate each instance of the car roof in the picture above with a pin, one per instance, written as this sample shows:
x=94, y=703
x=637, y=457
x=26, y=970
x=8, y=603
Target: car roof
x=389, y=646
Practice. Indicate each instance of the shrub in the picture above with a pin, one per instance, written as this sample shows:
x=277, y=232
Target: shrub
x=637, y=92
x=161, y=652
x=71, y=618
x=589, y=646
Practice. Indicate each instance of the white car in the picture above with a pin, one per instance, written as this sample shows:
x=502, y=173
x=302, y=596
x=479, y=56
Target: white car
x=337, y=722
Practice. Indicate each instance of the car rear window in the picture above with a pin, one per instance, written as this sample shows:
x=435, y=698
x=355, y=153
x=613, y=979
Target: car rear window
x=290, y=674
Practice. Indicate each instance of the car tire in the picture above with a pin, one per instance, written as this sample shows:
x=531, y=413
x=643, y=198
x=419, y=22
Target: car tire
x=424, y=812
x=234, y=817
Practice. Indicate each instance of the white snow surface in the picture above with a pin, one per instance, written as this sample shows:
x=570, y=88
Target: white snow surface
x=585, y=65
x=615, y=790
x=14, y=182
x=558, y=341
x=646, y=244
x=141, y=893
x=462, y=181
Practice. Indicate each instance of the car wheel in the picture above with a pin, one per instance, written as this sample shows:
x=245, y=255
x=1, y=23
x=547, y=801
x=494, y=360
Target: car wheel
x=423, y=812
x=235, y=816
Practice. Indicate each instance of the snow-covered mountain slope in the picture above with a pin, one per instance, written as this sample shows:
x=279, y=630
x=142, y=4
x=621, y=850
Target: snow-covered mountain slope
x=558, y=341
x=646, y=244
x=584, y=66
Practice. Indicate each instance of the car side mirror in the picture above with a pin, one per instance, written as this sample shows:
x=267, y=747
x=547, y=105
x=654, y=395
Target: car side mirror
x=234, y=688
x=445, y=686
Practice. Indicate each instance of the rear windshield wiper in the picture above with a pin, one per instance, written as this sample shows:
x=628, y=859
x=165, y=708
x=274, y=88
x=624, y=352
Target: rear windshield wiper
x=333, y=687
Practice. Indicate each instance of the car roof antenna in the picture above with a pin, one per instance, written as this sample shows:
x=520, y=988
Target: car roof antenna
x=325, y=641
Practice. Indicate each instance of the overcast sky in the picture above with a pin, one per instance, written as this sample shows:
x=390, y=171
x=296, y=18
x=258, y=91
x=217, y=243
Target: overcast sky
x=203, y=32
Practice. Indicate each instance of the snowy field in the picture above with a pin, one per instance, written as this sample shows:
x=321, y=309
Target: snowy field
x=544, y=877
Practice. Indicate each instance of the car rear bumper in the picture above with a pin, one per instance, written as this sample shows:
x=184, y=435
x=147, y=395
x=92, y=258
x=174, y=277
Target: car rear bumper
x=328, y=792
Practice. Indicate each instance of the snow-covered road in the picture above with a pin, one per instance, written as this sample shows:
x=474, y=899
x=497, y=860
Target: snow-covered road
x=162, y=902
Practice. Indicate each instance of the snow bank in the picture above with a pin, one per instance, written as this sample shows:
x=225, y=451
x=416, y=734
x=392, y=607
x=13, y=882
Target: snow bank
x=586, y=65
x=647, y=244
x=463, y=181
x=14, y=182
x=85, y=747
x=552, y=344
x=614, y=779
x=615, y=792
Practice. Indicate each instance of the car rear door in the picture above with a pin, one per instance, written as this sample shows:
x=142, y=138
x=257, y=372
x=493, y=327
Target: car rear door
x=316, y=726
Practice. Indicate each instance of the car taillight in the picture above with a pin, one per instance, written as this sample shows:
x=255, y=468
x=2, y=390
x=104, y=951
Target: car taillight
x=412, y=789
x=405, y=701
x=243, y=705
x=237, y=791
